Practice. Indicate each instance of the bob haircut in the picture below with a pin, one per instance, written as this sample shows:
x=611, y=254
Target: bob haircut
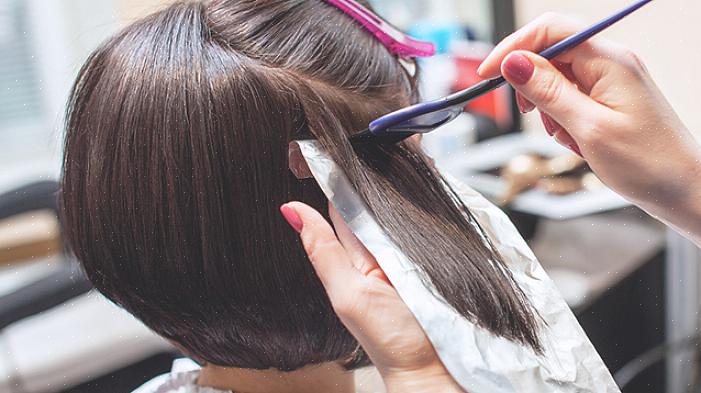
x=176, y=163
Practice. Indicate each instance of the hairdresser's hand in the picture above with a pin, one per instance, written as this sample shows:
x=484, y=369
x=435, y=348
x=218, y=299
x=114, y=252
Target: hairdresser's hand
x=368, y=305
x=599, y=100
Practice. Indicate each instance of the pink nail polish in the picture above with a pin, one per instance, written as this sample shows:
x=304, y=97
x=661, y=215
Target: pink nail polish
x=524, y=105
x=518, y=69
x=576, y=150
x=549, y=128
x=292, y=217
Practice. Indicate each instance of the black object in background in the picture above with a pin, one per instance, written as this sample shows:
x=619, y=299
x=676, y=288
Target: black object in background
x=505, y=24
x=52, y=289
x=128, y=378
x=43, y=294
x=34, y=196
x=628, y=320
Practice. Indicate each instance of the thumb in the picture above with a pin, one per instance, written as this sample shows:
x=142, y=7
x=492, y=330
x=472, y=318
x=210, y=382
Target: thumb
x=537, y=80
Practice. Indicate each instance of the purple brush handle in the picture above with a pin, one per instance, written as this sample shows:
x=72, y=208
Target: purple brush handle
x=406, y=119
x=571, y=42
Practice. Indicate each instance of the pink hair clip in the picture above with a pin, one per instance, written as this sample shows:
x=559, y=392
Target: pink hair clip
x=397, y=42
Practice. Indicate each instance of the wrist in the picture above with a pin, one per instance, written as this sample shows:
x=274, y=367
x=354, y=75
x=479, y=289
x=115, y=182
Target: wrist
x=680, y=208
x=431, y=379
x=686, y=218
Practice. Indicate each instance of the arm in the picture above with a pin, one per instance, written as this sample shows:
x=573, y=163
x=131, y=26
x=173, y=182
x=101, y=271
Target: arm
x=600, y=101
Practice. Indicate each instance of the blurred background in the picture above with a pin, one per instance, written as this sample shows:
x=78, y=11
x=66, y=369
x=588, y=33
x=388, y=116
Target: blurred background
x=632, y=284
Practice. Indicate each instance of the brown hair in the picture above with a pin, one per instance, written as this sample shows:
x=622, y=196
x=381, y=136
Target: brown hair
x=176, y=163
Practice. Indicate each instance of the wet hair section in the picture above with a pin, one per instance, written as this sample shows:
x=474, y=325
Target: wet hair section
x=176, y=161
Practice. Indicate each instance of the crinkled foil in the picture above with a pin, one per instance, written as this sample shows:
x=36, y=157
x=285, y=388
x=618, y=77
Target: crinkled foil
x=479, y=361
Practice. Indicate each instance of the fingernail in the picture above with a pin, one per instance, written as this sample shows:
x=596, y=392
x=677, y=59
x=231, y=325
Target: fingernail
x=576, y=149
x=518, y=69
x=549, y=128
x=524, y=105
x=292, y=217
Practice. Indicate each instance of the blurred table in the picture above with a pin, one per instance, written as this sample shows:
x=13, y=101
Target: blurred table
x=474, y=165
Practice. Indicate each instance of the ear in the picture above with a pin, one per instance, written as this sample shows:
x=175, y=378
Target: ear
x=297, y=163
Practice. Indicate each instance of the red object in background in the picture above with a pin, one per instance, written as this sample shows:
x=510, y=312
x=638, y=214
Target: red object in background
x=496, y=105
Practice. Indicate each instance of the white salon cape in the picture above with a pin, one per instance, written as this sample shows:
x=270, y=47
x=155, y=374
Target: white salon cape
x=182, y=378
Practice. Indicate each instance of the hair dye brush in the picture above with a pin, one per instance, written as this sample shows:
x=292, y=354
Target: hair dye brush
x=426, y=117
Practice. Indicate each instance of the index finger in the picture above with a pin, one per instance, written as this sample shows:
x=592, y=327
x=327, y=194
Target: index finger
x=363, y=260
x=543, y=32
x=329, y=258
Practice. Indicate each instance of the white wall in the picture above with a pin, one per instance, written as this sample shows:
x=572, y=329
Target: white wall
x=131, y=10
x=65, y=32
x=666, y=33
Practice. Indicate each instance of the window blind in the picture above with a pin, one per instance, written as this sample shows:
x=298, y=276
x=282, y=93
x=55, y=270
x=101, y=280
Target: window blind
x=20, y=88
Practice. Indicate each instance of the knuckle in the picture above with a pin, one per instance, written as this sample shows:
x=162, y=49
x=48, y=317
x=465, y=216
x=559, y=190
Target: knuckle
x=560, y=21
x=632, y=61
x=542, y=27
x=551, y=26
x=316, y=248
x=549, y=18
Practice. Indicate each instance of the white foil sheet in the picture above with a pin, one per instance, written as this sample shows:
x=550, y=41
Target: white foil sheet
x=479, y=361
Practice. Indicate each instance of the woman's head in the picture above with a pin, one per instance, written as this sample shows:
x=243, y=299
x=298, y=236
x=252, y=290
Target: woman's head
x=176, y=164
